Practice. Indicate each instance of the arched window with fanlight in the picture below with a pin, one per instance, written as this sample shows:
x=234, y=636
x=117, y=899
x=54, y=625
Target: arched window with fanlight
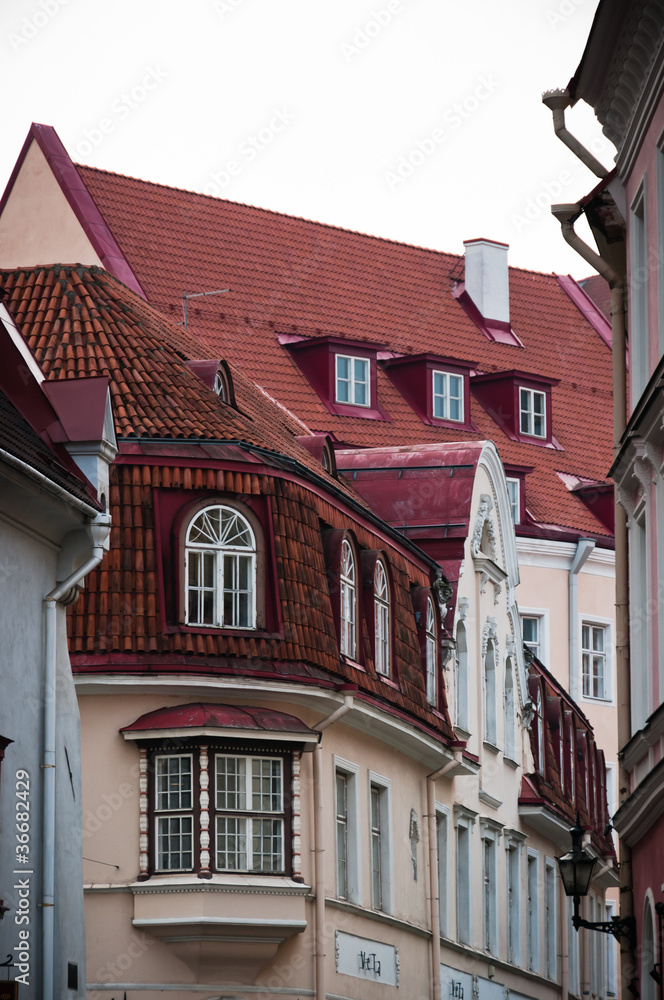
x=431, y=650
x=382, y=619
x=220, y=569
x=348, y=596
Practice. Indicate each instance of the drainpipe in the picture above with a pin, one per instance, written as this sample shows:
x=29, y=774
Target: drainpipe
x=433, y=870
x=65, y=593
x=566, y=214
x=319, y=850
x=584, y=547
x=557, y=101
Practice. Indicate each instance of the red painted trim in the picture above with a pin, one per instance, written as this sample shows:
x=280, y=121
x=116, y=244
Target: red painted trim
x=81, y=202
x=586, y=307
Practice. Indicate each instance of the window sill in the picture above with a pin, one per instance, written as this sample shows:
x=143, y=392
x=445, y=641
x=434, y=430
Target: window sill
x=511, y=762
x=279, y=885
x=491, y=746
x=256, y=632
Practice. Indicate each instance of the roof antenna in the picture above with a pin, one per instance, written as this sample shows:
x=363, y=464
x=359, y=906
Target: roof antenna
x=199, y=295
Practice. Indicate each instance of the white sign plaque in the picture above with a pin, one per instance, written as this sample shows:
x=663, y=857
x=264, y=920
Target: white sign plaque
x=366, y=959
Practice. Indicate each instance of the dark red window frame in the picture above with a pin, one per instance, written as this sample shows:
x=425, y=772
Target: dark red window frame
x=498, y=393
x=413, y=377
x=316, y=359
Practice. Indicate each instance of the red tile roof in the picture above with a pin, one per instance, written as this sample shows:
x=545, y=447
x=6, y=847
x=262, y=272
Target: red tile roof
x=290, y=276
x=177, y=436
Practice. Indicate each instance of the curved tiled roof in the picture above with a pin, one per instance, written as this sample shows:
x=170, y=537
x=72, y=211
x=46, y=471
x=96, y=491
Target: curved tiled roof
x=290, y=276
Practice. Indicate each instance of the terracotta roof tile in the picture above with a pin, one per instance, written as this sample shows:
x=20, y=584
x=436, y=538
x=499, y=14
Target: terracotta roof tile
x=290, y=275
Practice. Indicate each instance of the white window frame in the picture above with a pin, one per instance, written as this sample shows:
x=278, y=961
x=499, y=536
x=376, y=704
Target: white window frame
x=638, y=293
x=573, y=952
x=431, y=645
x=248, y=813
x=196, y=554
x=542, y=614
x=353, y=887
x=464, y=820
x=611, y=953
x=533, y=922
x=461, y=680
x=490, y=679
x=607, y=625
x=509, y=710
x=382, y=620
x=445, y=397
x=514, y=841
x=443, y=855
x=490, y=835
x=514, y=494
x=550, y=919
x=384, y=788
x=348, y=603
x=528, y=411
x=352, y=381
x=169, y=814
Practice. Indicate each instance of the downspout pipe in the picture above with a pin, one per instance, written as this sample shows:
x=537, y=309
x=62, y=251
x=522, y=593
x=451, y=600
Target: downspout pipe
x=64, y=593
x=566, y=215
x=434, y=894
x=319, y=850
x=584, y=547
x=557, y=101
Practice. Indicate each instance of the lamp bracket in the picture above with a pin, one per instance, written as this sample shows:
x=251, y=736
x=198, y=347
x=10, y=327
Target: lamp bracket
x=618, y=926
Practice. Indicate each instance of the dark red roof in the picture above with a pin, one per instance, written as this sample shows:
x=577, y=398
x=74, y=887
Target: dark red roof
x=199, y=716
x=289, y=276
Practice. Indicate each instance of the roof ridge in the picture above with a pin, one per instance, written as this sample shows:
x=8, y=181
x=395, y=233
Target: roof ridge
x=298, y=218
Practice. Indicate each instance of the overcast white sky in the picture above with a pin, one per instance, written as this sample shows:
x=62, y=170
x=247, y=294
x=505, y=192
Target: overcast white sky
x=417, y=120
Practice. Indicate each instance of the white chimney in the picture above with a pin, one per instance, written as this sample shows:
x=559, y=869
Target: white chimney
x=486, y=278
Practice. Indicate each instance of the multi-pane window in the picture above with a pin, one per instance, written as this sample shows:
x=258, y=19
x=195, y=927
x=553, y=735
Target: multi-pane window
x=509, y=711
x=431, y=644
x=530, y=629
x=532, y=912
x=593, y=656
x=352, y=380
x=513, y=902
x=551, y=953
x=220, y=569
x=382, y=619
x=514, y=494
x=342, y=834
x=376, y=848
x=174, y=813
x=489, y=895
x=348, y=597
x=447, y=396
x=490, y=722
x=463, y=879
x=532, y=412
x=249, y=801
x=461, y=678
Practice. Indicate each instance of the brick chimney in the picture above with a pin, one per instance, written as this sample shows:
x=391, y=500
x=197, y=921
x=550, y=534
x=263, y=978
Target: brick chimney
x=486, y=278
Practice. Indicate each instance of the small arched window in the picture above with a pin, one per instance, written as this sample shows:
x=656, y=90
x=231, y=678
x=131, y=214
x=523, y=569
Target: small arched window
x=220, y=568
x=382, y=619
x=220, y=386
x=431, y=648
x=490, y=726
x=510, y=717
x=348, y=588
x=461, y=678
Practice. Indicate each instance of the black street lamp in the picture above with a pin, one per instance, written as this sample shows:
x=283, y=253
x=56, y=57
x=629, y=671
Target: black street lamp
x=576, y=870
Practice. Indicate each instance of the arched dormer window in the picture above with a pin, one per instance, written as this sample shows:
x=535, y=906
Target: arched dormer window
x=220, y=569
x=382, y=620
x=431, y=649
x=348, y=597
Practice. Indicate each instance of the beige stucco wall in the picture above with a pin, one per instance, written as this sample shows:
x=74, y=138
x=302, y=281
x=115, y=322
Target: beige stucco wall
x=38, y=225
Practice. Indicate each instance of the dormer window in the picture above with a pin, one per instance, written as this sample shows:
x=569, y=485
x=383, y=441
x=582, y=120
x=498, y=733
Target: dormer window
x=217, y=376
x=437, y=388
x=520, y=403
x=342, y=372
x=514, y=494
x=352, y=383
x=447, y=396
x=532, y=412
